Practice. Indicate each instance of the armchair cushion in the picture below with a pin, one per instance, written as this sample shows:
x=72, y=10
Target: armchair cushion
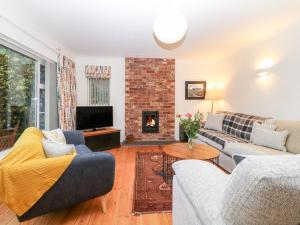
x=263, y=190
x=203, y=184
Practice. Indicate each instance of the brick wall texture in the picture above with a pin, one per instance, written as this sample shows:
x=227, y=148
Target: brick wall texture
x=150, y=86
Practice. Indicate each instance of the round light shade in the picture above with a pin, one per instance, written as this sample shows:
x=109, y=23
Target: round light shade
x=170, y=25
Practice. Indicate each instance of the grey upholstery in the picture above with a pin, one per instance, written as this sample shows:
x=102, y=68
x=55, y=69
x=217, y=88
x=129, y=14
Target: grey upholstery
x=90, y=174
x=74, y=137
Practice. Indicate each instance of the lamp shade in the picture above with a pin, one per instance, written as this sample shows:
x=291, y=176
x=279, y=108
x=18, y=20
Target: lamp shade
x=213, y=94
x=170, y=25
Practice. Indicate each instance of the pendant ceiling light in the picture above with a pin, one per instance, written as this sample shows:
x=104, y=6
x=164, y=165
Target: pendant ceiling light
x=170, y=25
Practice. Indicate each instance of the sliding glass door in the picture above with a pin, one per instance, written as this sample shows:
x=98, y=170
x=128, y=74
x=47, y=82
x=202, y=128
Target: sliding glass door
x=18, y=87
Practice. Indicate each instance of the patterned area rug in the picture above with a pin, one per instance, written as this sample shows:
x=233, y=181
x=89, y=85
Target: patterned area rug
x=151, y=193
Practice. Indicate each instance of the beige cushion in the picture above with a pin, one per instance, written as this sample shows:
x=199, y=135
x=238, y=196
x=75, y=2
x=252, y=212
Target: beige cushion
x=261, y=126
x=271, y=139
x=293, y=140
x=55, y=135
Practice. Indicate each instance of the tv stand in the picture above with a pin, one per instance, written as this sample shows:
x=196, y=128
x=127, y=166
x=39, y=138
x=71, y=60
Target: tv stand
x=102, y=139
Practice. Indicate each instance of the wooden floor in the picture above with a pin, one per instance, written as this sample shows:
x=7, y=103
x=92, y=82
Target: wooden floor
x=119, y=201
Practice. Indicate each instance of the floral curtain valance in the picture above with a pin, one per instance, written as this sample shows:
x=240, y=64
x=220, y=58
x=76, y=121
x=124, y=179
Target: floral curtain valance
x=99, y=72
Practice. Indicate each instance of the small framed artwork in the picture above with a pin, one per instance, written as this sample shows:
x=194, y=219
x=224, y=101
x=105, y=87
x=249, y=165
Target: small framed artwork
x=195, y=90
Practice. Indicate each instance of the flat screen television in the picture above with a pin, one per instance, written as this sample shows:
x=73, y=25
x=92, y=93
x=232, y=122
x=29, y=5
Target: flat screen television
x=93, y=117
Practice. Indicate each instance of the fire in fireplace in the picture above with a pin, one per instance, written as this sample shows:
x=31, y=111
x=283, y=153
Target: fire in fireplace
x=150, y=121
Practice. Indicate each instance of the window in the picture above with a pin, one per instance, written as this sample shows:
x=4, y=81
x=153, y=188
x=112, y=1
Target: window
x=22, y=90
x=98, y=91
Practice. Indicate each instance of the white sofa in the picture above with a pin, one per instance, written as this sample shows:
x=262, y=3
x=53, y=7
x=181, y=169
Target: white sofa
x=262, y=190
x=236, y=145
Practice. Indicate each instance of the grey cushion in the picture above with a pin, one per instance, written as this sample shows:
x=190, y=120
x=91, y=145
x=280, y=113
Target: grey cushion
x=238, y=158
x=263, y=190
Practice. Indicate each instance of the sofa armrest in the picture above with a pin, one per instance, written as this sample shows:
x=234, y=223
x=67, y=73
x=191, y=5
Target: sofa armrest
x=74, y=137
x=88, y=176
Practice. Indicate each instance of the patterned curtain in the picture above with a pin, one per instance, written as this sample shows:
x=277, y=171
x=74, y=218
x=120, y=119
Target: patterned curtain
x=66, y=93
x=97, y=72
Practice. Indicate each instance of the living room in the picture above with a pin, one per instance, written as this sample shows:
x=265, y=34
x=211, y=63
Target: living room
x=149, y=112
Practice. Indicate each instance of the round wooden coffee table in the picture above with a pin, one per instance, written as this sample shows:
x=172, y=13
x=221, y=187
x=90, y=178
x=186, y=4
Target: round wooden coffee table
x=179, y=151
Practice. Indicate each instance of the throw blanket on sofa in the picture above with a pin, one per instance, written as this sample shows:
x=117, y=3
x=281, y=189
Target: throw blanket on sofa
x=26, y=174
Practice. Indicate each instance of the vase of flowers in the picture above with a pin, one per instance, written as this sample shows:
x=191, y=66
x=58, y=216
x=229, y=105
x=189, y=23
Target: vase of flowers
x=190, y=125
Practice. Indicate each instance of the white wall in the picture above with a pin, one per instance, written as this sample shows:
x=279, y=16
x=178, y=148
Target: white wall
x=18, y=29
x=277, y=95
x=191, y=70
x=117, y=85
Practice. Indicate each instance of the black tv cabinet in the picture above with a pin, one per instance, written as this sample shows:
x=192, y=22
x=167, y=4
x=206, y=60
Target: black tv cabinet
x=104, y=139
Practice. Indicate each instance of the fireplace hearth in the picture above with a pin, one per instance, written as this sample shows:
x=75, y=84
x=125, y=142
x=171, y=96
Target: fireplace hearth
x=150, y=121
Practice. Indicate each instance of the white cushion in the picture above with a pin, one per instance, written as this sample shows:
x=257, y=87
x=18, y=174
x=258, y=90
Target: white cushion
x=214, y=121
x=55, y=149
x=263, y=190
x=271, y=139
x=267, y=126
x=55, y=135
x=203, y=184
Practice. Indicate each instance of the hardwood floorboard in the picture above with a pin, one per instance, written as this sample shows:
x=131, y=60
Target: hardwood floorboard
x=119, y=201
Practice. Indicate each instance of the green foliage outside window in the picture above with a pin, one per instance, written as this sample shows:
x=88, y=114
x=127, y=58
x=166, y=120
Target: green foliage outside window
x=17, y=89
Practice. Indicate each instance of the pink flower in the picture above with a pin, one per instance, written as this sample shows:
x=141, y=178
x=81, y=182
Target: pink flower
x=188, y=115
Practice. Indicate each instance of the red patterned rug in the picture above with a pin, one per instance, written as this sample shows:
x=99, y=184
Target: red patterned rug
x=151, y=193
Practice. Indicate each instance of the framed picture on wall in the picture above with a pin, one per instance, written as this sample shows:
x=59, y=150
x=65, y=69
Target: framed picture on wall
x=195, y=90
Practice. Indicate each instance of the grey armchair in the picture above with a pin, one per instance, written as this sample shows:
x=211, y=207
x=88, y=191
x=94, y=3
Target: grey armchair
x=91, y=174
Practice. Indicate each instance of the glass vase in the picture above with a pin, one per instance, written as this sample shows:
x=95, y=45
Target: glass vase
x=190, y=143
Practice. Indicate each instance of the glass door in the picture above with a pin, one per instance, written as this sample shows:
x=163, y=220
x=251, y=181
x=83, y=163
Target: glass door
x=42, y=97
x=17, y=89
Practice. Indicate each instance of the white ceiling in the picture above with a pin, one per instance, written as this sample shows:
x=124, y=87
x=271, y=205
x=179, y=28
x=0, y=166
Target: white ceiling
x=216, y=28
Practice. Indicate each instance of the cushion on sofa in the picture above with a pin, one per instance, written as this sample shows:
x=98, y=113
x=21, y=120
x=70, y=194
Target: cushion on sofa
x=239, y=124
x=270, y=138
x=214, y=121
x=191, y=175
x=293, y=140
x=56, y=135
x=237, y=158
x=263, y=190
x=219, y=137
x=56, y=149
x=265, y=126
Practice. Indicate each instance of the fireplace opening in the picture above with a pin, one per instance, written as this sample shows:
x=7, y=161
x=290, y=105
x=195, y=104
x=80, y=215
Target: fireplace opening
x=150, y=121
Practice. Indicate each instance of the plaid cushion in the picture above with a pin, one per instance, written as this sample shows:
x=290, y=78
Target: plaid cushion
x=220, y=137
x=239, y=124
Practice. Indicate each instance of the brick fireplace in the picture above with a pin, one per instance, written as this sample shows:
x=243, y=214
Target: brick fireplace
x=150, y=99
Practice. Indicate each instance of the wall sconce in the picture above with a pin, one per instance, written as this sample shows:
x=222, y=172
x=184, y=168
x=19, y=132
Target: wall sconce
x=264, y=68
x=263, y=72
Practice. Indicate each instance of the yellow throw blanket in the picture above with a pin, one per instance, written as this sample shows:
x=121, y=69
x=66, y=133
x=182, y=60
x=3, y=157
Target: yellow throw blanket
x=26, y=174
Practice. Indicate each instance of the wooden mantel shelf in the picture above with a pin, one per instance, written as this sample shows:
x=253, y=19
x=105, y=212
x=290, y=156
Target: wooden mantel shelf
x=100, y=132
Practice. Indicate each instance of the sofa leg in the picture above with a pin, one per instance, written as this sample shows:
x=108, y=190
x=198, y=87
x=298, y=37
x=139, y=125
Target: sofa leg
x=103, y=203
